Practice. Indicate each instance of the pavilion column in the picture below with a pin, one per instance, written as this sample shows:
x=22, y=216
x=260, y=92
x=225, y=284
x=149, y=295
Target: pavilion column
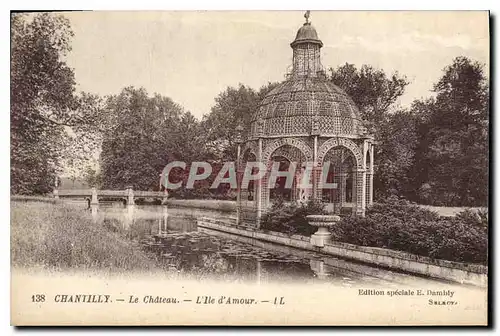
x=342, y=187
x=238, y=140
x=239, y=193
x=295, y=191
x=315, y=178
x=317, y=181
x=372, y=171
x=360, y=188
x=370, y=199
x=369, y=188
x=244, y=193
x=264, y=190
x=259, y=195
x=354, y=191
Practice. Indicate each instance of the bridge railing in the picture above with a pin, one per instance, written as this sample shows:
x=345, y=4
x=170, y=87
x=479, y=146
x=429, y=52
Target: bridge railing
x=108, y=193
x=75, y=192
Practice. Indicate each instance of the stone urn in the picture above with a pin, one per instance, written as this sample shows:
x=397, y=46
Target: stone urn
x=323, y=223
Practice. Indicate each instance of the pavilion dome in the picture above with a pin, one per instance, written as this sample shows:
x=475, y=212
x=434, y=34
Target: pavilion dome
x=306, y=103
x=306, y=33
x=307, y=106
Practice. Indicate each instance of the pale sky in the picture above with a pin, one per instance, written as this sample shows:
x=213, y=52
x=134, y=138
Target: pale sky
x=192, y=56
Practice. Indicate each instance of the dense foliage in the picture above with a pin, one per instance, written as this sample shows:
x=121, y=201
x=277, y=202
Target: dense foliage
x=436, y=152
x=233, y=107
x=50, y=124
x=41, y=89
x=409, y=228
x=398, y=225
x=371, y=89
x=141, y=135
x=453, y=139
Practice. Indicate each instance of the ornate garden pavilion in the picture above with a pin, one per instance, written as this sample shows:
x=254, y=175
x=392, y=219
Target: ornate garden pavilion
x=308, y=120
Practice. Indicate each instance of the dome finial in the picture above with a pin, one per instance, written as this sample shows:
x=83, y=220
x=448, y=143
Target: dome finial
x=306, y=15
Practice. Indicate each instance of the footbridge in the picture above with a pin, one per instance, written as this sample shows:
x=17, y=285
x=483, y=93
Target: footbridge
x=94, y=195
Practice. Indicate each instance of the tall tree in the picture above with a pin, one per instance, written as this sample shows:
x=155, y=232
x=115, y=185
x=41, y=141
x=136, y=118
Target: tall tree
x=44, y=107
x=456, y=137
x=233, y=107
x=83, y=141
x=143, y=134
x=372, y=89
x=42, y=88
x=397, y=145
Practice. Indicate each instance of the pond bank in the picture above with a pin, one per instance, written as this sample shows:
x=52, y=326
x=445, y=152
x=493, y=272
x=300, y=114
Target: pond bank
x=441, y=269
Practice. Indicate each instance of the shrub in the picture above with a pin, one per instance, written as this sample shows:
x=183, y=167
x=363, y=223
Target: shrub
x=403, y=210
x=399, y=225
x=291, y=218
x=474, y=218
x=409, y=228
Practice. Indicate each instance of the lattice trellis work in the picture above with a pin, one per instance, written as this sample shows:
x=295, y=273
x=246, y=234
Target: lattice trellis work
x=368, y=189
x=306, y=60
x=369, y=175
x=360, y=189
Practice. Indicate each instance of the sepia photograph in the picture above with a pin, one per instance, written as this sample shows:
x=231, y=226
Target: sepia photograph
x=249, y=168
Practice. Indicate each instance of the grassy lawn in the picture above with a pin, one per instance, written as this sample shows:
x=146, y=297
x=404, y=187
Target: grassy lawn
x=450, y=211
x=63, y=236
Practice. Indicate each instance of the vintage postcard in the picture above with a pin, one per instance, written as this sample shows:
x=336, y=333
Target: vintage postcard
x=244, y=168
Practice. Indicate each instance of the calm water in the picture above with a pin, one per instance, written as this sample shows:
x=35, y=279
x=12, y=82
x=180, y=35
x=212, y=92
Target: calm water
x=206, y=253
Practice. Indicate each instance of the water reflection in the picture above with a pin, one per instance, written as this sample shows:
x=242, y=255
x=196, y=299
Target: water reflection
x=173, y=238
x=209, y=255
x=94, y=210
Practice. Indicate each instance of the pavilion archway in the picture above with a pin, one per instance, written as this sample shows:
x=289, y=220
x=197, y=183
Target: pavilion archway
x=285, y=151
x=339, y=167
x=346, y=169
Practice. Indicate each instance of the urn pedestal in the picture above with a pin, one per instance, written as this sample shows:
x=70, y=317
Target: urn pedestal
x=323, y=223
